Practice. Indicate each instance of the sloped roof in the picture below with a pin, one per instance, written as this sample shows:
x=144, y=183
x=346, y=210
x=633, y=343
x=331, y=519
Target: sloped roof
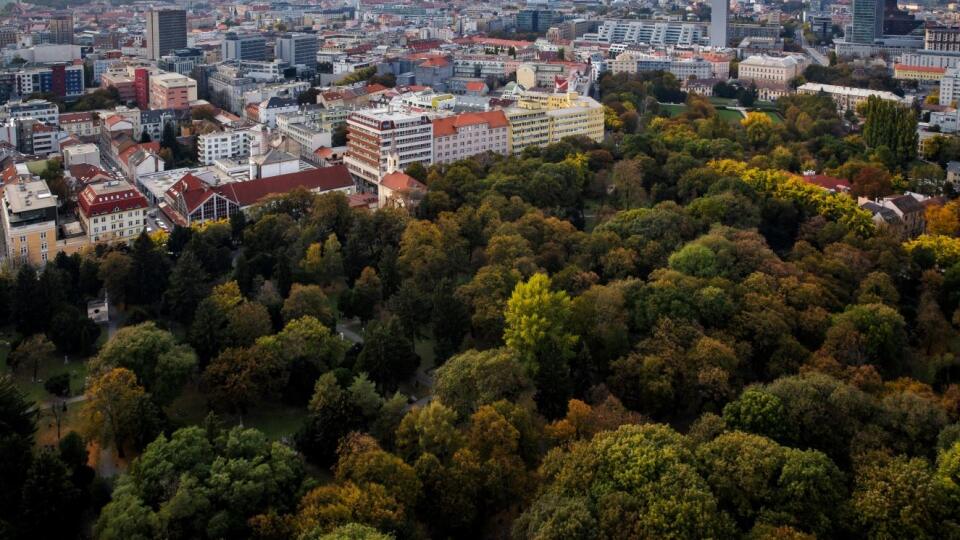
x=443, y=127
x=110, y=197
x=85, y=173
x=252, y=191
x=401, y=181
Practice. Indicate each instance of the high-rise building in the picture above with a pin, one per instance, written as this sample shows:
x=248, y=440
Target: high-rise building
x=61, y=27
x=536, y=20
x=298, y=49
x=166, y=31
x=719, y=15
x=379, y=140
x=246, y=47
x=867, y=21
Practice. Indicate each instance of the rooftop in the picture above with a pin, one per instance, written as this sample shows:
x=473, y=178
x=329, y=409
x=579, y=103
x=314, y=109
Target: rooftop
x=27, y=195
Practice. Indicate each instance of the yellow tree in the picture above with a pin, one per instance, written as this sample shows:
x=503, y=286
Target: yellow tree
x=112, y=407
x=944, y=219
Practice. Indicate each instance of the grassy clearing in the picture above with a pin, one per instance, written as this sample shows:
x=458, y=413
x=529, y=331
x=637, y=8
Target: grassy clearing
x=34, y=390
x=775, y=116
x=676, y=109
x=729, y=116
x=276, y=420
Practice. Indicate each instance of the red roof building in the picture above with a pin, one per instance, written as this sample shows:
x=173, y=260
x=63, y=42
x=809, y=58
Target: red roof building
x=112, y=211
x=829, y=183
x=191, y=200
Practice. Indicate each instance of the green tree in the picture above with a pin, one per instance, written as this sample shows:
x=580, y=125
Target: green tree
x=475, y=378
x=111, y=413
x=387, y=356
x=116, y=272
x=188, y=286
x=868, y=334
x=308, y=300
x=891, y=125
x=161, y=364
x=538, y=332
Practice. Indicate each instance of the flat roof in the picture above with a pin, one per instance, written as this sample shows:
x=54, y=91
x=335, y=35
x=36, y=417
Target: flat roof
x=29, y=195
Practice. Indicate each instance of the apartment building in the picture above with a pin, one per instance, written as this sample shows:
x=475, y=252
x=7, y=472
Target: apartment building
x=376, y=137
x=29, y=219
x=227, y=144
x=34, y=109
x=464, y=135
x=541, y=118
x=941, y=39
x=304, y=131
x=77, y=154
x=771, y=69
x=172, y=91
x=81, y=124
x=950, y=87
x=112, y=211
x=64, y=80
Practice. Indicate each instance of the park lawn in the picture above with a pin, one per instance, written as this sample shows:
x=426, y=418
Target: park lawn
x=673, y=109
x=775, y=116
x=47, y=425
x=722, y=102
x=34, y=390
x=729, y=116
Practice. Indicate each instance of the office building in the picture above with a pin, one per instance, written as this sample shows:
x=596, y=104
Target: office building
x=112, y=211
x=380, y=139
x=246, y=47
x=60, y=27
x=298, y=50
x=681, y=68
x=536, y=20
x=941, y=39
x=650, y=32
x=867, y=24
x=166, y=31
x=719, y=15
x=181, y=61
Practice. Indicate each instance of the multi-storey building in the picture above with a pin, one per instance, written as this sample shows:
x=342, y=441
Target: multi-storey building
x=298, y=49
x=227, y=144
x=847, y=97
x=541, y=118
x=464, y=135
x=77, y=154
x=950, y=87
x=536, y=20
x=34, y=109
x=867, y=24
x=650, y=32
x=917, y=73
x=378, y=136
x=60, y=26
x=81, y=124
x=59, y=79
x=166, y=31
x=34, y=137
x=681, y=68
x=172, y=91
x=29, y=215
x=941, y=39
x=243, y=47
x=776, y=69
x=112, y=211
x=181, y=61
x=719, y=15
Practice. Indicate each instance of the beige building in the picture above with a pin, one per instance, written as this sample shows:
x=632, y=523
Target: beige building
x=112, y=211
x=541, y=118
x=29, y=221
x=775, y=69
x=847, y=97
x=468, y=134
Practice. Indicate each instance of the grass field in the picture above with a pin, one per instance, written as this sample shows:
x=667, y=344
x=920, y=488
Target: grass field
x=729, y=116
x=34, y=390
x=277, y=421
x=775, y=116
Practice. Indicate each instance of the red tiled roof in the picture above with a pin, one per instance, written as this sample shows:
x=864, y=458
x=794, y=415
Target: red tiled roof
x=77, y=117
x=922, y=69
x=195, y=192
x=252, y=191
x=375, y=87
x=153, y=146
x=436, y=61
x=827, y=182
x=476, y=86
x=401, y=181
x=93, y=203
x=443, y=127
x=84, y=173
